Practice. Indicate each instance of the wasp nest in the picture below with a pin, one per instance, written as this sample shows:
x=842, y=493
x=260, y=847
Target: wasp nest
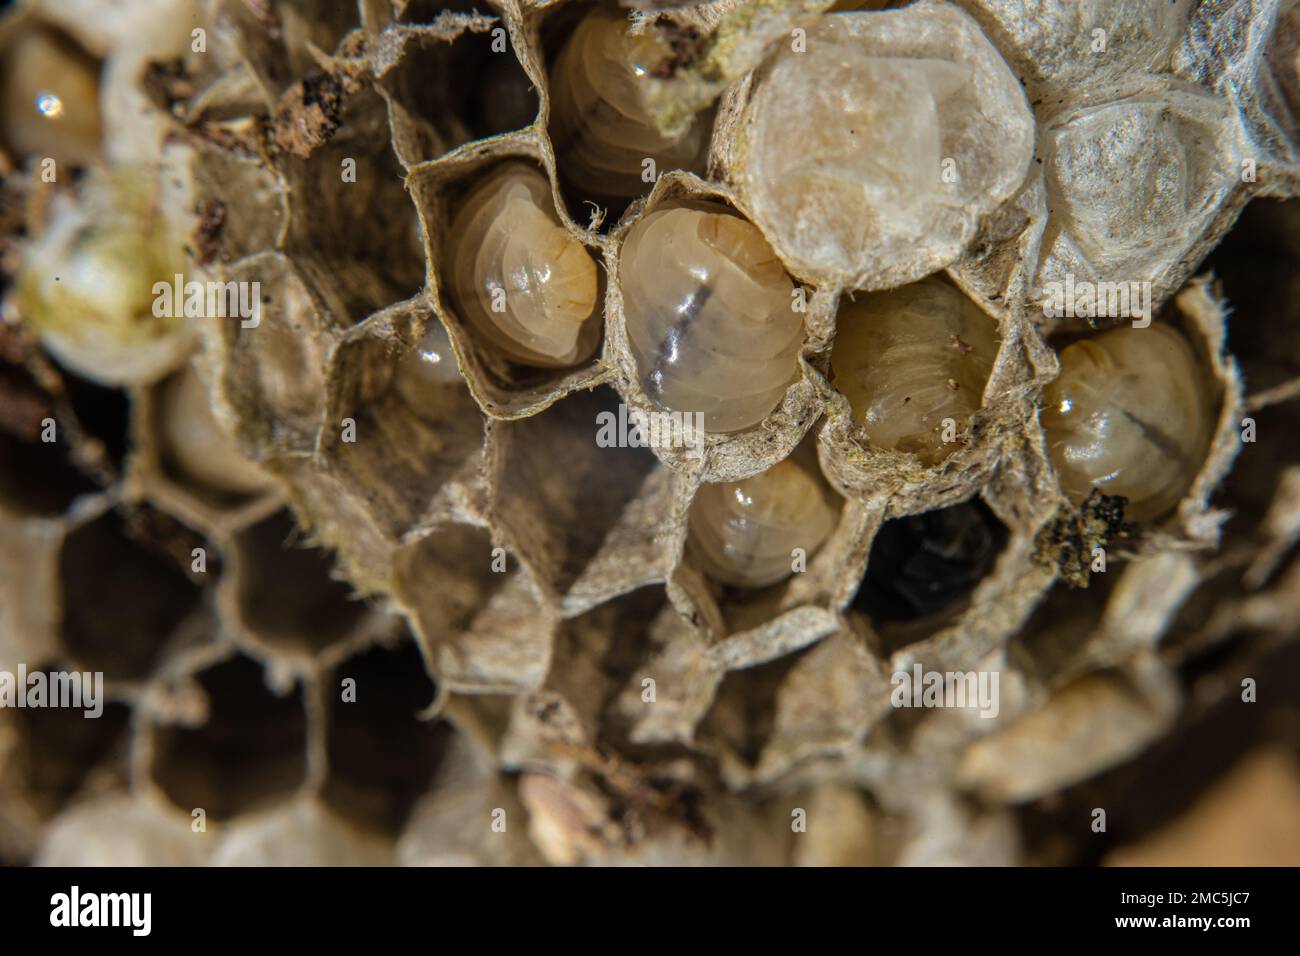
x=505, y=431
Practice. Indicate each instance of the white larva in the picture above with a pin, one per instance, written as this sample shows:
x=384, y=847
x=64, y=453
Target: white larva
x=526, y=285
x=913, y=363
x=710, y=317
x=1129, y=414
x=745, y=532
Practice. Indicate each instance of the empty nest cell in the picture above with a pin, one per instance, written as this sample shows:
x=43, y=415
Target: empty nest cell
x=380, y=752
x=58, y=748
x=1256, y=268
x=125, y=590
x=249, y=752
x=922, y=569
x=457, y=81
x=285, y=591
x=37, y=476
x=406, y=423
x=558, y=493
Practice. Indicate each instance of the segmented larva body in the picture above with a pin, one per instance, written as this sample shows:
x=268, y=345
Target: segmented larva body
x=49, y=99
x=745, y=532
x=516, y=274
x=913, y=363
x=710, y=316
x=599, y=126
x=1129, y=415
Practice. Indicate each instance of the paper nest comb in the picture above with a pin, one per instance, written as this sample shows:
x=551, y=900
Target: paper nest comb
x=501, y=588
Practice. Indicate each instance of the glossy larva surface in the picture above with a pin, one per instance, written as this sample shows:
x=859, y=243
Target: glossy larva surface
x=524, y=283
x=710, y=316
x=1129, y=414
x=910, y=358
x=599, y=125
x=49, y=99
x=744, y=532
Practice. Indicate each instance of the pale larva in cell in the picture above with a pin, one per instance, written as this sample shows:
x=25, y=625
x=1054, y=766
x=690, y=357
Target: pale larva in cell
x=710, y=316
x=524, y=283
x=601, y=130
x=745, y=532
x=1129, y=414
x=913, y=363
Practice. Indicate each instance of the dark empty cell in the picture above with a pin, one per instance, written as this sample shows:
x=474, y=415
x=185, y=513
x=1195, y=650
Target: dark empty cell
x=104, y=415
x=122, y=599
x=381, y=755
x=36, y=476
x=925, y=564
x=459, y=91
x=286, y=589
x=504, y=99
x=59, y=746
x=1256, y=265
x=251, y=751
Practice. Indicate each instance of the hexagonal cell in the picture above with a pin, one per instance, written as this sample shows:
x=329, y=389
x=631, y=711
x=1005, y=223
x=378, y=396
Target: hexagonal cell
x=415, y=425
x=458, y=80
x=1171, y=164
x=740, y=724
x=355, y=261
x=284, y=592
x=596, y=656
x=126, y=589
x=474, y=610
x=500, y=354
x=57, y=748
x=923, y=568
x=249, y=752
x=745, y=538
x=558, y=494
x=381, y=754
